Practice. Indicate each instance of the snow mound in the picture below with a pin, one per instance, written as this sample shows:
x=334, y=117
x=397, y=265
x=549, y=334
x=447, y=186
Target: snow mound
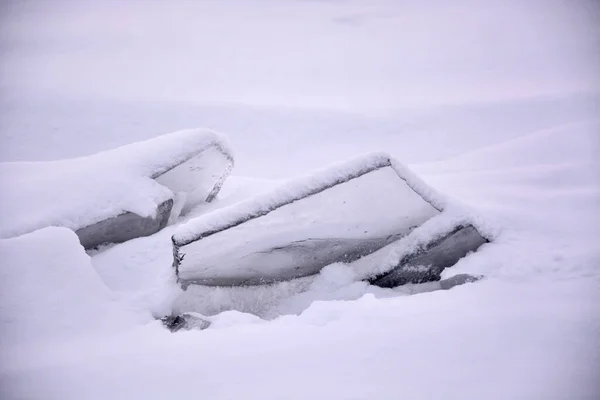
x=79, y=192
x=50, y=290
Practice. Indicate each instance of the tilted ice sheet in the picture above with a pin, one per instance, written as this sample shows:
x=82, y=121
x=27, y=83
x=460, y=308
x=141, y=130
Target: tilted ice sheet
x=291, y=236
x=302, y=187
x=78, y=192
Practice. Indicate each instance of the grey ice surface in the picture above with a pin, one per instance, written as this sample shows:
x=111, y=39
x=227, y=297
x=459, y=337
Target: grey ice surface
x=428, y=264
x=124, y=227
x=457, y=280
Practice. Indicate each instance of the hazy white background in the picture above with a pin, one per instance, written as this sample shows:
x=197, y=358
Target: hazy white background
x=353, y=76
x=341, y=54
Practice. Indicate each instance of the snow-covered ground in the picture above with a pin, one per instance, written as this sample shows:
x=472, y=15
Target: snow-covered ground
x=495, y=104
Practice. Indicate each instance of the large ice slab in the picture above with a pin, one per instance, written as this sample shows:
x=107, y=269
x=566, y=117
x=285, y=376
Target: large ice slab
x=339, y=214
x=137, y=185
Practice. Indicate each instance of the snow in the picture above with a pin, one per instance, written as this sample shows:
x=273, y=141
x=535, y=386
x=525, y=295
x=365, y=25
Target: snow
x=494, y=104
x=78, y=192
x=434, y=345
x=50, y=291
x=320, y=54
x=566, y=143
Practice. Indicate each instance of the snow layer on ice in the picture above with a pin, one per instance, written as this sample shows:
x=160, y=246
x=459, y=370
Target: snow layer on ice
x=78, y=192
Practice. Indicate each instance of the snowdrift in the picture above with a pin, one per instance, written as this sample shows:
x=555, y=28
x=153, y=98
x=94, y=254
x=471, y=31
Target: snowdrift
x=51, y=291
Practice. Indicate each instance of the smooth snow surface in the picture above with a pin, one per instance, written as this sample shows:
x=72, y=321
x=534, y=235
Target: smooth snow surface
x=344, y=54
x=51, y=291
x=495, y=104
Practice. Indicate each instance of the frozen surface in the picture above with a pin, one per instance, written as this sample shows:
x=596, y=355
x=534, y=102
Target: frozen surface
x=352, y=209
x=516, y=143
x=351, y=54
x=79, y=192
x=529, y=329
